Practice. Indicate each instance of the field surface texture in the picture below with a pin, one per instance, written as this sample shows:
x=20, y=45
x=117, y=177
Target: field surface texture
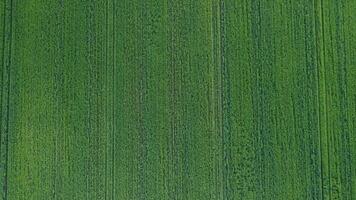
x=177, y=99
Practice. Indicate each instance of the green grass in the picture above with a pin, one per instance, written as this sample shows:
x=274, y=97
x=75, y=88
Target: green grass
x=177, y=99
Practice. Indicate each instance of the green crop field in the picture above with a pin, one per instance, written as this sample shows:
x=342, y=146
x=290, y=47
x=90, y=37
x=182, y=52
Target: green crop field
x=177, y=99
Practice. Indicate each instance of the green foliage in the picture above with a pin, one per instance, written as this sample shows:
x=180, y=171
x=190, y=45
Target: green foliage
x=177, y=99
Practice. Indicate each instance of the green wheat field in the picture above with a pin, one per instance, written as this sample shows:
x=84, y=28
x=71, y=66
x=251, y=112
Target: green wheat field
x=178, y=99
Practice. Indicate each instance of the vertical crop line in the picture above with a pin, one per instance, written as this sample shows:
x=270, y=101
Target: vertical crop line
x=215, y=92
x=2, y=65
x=222, y=114
x=348, y=142
x=106, y=101
x=90, y=43
x=108, y=134
x=319, y=67
x=113, y=101
x=2, y=73
x=174, y=94
x=8, y=103
x=1, y=95
x=141, y=102
x=8, y=64
x=218, y=118
x=225, y=104
x=325, y=91
x=343, y=86
x=171, y=100
x=58, y=76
